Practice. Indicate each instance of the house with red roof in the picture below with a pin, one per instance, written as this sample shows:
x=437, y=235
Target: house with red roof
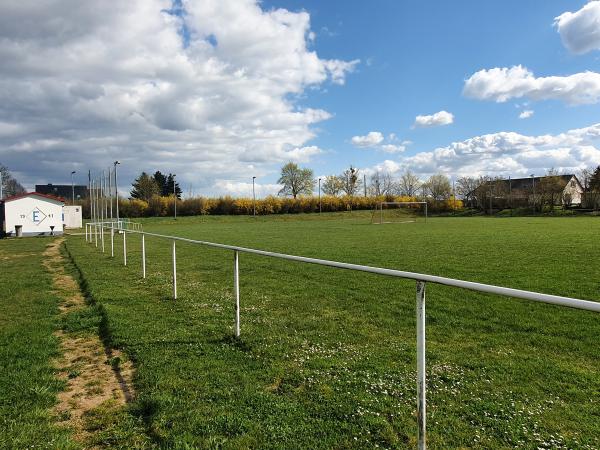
x=31, y=214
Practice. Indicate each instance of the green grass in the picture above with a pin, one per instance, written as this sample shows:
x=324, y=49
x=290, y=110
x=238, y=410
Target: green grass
x=327, y=357
x=28, y=316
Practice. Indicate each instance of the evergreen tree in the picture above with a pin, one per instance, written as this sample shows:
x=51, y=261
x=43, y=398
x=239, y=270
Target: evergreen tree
x=161, y=182
x=144, y=187
x=168, y=187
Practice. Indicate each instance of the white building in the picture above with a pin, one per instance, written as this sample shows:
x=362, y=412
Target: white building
x=31, y=214
x=72, y=216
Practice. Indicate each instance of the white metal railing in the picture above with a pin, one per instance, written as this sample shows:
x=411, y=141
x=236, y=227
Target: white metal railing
x=421, y=279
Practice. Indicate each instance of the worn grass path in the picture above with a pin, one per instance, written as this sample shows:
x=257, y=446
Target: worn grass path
x=61, y=386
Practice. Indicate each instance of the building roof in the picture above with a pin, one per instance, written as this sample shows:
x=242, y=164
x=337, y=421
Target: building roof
x=32, y=194
x=527, y=183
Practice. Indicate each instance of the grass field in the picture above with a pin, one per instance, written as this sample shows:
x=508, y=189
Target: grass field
x=327, y=357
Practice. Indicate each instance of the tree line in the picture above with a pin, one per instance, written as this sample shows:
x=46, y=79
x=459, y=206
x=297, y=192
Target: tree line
x=301, y=181
x=478, y=192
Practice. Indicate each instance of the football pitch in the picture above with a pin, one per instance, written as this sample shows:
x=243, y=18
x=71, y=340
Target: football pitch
x=327, y=357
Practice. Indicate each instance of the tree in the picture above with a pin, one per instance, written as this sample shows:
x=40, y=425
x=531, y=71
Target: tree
x=351, y=180
x=438, y=186
x=168, y=187
x=409, y=184
x=165, y=184
x=382, y=184
x=466, y=186
x=550, y=188
x=10, y=186
x=595, y=180
x=145, y=187
x=333, y=185
x=296, y=181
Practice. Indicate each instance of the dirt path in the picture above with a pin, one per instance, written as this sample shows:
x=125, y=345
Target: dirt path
x=96, y=376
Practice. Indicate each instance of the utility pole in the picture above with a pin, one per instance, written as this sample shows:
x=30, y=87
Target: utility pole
x=1, y=186
x=253, y=198
x=365, y=183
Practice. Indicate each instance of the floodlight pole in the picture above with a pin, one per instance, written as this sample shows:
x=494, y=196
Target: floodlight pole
x=533, y=185
x=174, y=199
x=490, y=196
x=72, y=188
x=1, y=192
x=253, y=198
x=117, y=191
x=110, y=193
x=320, y=209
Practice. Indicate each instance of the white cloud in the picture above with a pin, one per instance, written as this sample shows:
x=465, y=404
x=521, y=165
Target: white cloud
x=580, y=31
x=393, y=148
x=372, y=139
x=502, y=84
x=244, y=189
x=507, y=153
x=434, y=120
x=376, y=140
x=111, y=81
x=526, y=114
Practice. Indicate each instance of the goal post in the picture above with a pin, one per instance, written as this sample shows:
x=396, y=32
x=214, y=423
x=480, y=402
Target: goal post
x=399, y=212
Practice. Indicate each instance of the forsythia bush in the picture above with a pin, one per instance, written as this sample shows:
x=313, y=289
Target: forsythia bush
x=163, y=206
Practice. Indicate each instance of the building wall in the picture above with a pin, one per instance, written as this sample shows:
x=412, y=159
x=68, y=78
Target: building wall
x=72, y=216
x=574, y=190
x=35, y=214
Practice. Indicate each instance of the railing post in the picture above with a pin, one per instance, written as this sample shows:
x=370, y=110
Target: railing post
x=421, y=378
x=102, y=237
x=143, y=256
x=124, y=248
x=112, y=240
x=174, y=273
x=96, y=234
x=236, y=288
x=86, y=227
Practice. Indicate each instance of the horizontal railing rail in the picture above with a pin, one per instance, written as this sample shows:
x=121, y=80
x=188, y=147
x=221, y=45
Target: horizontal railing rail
x=96, y=228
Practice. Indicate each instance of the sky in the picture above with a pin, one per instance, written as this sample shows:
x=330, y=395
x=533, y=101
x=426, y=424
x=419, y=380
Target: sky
x=219, y=91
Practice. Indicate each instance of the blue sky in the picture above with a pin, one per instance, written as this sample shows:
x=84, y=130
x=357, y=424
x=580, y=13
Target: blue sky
x=415, y=57
x=462, y=88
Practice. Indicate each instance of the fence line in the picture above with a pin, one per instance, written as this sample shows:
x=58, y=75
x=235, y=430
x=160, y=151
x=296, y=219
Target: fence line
x=93, y=228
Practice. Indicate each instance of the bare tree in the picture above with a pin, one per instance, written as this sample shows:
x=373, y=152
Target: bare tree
x=550, y=189
x=409, y=184
x=382, y=183
x=333, y=185
x=351, y=180
x=10, y=186
x=466, y=187
x=438, y=187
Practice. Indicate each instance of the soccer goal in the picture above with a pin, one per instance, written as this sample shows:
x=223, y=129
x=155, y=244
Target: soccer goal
x=399, y=212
